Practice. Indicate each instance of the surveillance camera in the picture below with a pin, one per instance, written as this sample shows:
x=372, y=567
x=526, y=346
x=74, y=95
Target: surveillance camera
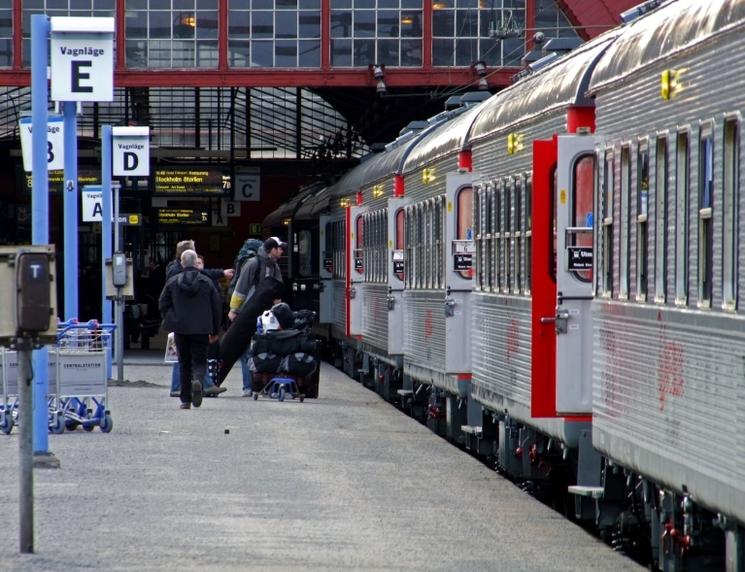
x=539, y=37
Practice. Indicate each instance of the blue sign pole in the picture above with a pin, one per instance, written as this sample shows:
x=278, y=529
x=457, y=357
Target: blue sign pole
x=71, y=210
x=40, y=207
x=106, y=227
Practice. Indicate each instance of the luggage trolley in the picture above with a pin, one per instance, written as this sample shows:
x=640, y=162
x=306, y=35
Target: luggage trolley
x=9, y=411
x=280, y=386
x=82, y=378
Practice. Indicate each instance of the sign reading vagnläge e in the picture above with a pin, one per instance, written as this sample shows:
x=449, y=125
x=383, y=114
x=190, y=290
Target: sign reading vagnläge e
x=82, y=60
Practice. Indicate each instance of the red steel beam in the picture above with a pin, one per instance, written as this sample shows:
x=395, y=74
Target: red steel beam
x=287, y=78
x=17, y=35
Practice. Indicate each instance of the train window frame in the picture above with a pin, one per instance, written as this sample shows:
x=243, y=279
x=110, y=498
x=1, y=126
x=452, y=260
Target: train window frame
x=462, y=233
x=730, y=208
x=706, y=194
x=661, y=184
x=576, y=222
x=495, y=238
x=518, y=222
x=609, y=178
x=528, y=250
x=478, y=189
x=642, y=217
x=682, y=189
x=625, y=223
x=408, y=247
x=506, y=233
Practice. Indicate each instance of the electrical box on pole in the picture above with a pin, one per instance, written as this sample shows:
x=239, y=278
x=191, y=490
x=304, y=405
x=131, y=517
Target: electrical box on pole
x=29, y=291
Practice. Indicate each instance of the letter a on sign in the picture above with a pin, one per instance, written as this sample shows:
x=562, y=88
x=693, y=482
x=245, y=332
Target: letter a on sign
x=82, y=60
x=131, y=151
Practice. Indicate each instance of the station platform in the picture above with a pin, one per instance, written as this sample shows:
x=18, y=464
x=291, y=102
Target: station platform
x=343, y=482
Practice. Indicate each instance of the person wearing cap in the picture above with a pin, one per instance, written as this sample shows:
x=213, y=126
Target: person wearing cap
x=263, y=265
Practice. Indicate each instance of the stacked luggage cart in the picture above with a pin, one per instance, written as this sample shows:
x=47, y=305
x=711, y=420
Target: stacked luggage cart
x=78, y=380
x=284, y=358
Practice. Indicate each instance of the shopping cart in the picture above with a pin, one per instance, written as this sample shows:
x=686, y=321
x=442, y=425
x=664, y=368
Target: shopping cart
x=82, y=353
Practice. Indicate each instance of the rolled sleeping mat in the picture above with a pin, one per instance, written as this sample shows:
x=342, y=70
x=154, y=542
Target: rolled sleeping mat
x=238, y=337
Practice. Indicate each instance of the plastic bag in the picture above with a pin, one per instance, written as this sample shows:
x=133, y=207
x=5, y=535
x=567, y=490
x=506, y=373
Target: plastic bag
x=267, y=322
x=171, y=351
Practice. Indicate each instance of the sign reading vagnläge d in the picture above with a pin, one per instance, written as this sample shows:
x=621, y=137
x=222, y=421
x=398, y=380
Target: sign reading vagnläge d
x=82, y=60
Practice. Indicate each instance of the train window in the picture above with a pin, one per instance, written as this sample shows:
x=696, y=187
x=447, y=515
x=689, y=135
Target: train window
x=482, y=254
x=660, y=221
x=583, y=193
x=305, y=254
x=681, y=219
x=730, y=206
x=642, y=209
x=438, y=213
x=477, y=226
x=328, y=246
x=607, y=210
x=400, y=236
x=705, y=220
x=359, y=241
x=623, y=287
x=554, y=243
x=528, y=254
x=428, y=238
x=506, y=232
x=495, y=240
x=464, y=230
x=408, y=246
x=518, y=225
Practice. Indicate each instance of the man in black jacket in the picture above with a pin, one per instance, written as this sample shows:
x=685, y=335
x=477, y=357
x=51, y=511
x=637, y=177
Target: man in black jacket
x=191, y=308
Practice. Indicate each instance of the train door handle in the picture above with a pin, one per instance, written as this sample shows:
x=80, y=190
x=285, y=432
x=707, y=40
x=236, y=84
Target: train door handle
x=391, y=303
x=449, y=307
x=352, y=293
x=559, y=320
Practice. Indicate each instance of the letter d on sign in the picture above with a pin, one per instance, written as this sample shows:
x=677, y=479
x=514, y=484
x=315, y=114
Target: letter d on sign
x=130, y=161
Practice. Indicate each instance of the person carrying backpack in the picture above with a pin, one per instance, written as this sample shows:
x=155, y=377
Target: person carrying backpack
x=254, y=262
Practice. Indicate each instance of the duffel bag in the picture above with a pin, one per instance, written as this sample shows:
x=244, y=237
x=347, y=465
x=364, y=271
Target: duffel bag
x=283, y=342
x=299, y=364
x=265, y=363
x=304, y=319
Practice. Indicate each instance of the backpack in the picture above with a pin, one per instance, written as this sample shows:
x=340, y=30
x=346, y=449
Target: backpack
x=249, y=249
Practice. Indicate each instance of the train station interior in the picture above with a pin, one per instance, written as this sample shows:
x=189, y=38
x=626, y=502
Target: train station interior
x=252, y=102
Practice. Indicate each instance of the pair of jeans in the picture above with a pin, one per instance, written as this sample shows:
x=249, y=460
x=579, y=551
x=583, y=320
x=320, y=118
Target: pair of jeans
x=247, y=374
x=192, y=352
x=176, y=379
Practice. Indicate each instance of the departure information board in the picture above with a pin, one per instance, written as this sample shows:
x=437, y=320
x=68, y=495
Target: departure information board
x=184, y=216
x=191, y=181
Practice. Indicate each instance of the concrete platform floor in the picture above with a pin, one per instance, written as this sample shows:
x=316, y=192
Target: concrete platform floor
x=345, y=482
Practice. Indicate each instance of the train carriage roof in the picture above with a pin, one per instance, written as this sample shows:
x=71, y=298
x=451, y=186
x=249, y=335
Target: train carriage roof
x=560, y=85
x=288, y=209
x=391, y=161
x=671, y=28
x=441, y=142
x=315, y=204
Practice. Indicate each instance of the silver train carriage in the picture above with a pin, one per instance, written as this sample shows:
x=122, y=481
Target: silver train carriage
x=357, y=233
x=668, y=328
x=526, y=369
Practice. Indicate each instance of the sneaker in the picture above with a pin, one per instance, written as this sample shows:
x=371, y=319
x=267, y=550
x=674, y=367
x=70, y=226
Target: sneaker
x=214, y=390
x=196, y=393
x=175, y=394
x=248, y=393
x=186, y=406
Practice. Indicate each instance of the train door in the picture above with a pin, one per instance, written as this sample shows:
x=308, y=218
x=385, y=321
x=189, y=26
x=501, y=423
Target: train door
x=459, y=270
x=356, y=289
x=396, y=274
x=543, y=286
x=574, y=261
x=326, y=270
